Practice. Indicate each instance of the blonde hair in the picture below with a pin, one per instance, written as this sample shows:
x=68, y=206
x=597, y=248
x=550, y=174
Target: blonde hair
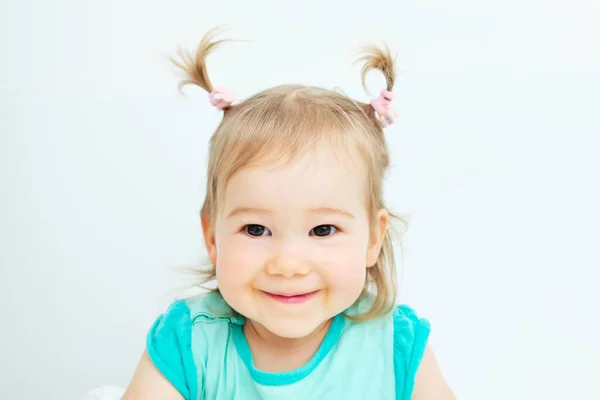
x=285, y=121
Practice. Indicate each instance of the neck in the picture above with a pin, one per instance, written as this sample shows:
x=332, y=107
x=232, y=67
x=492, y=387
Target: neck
x=272, y=353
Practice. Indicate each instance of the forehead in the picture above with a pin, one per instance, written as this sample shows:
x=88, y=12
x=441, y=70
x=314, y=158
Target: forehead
x=318, y=178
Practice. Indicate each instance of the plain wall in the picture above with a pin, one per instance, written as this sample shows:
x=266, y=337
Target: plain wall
x=102, y=165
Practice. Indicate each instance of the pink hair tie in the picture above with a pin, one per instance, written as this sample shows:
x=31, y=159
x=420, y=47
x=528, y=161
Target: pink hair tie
x=383, y=106
x=221, y=98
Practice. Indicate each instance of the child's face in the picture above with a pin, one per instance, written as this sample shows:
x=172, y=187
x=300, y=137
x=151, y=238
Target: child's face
x=277, y=235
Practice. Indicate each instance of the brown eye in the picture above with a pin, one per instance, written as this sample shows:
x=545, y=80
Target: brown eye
x=255, y=230
x=324, y=230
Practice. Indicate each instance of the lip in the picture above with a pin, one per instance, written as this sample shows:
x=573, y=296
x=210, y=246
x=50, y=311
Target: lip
x=289, y=298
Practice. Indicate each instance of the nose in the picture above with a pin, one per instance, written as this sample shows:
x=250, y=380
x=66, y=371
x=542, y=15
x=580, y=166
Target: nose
x=288, y=261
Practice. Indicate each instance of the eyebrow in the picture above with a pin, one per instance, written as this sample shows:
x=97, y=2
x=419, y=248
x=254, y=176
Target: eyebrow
x=320, y=210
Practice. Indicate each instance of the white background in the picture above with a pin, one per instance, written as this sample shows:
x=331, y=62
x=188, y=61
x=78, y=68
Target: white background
x=102, y=167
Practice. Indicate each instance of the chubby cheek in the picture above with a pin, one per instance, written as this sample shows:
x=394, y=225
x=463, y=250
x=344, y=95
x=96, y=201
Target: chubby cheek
x=344, y=275
x=238, y=264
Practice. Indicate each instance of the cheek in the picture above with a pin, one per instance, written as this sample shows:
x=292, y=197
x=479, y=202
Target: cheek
x=345, y=266
x=238, y=261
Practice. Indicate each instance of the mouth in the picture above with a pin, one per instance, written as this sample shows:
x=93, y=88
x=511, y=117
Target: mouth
x=291, y=298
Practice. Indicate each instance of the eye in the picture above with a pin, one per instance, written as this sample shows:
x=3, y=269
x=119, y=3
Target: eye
x=255, y=230
x=324, y=230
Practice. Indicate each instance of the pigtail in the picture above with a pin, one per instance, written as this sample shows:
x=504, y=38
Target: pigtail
x=380, y=58
x=194, y=64
x=381, y=110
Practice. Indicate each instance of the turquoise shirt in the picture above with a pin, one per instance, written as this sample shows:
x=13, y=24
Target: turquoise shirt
x=200, y=347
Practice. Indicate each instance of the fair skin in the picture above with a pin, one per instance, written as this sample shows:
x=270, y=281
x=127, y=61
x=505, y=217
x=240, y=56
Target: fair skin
x=292, y=244
x=288, y=230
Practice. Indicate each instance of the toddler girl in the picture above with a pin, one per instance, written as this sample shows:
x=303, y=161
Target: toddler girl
x=297, y=235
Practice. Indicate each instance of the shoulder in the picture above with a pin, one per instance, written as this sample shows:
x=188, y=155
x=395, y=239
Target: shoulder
x=177, y=322
x=411, y=334
x=168, y=345
x=175, y=319
x=418, y=375
x=183, y=333
x=410, y=326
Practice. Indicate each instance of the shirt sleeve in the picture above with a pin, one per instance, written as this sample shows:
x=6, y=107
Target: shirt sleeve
x=169, y=346
x=410, y=339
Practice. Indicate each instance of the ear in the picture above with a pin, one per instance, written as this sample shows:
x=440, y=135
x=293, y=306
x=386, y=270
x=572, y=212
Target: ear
x=209, y=239
x=379, y=230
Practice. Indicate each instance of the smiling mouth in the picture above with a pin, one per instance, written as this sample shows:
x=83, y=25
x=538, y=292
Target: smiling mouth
x=291, y=298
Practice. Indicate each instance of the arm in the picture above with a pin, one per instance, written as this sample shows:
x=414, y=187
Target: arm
x=429, y=381
x=149, y=384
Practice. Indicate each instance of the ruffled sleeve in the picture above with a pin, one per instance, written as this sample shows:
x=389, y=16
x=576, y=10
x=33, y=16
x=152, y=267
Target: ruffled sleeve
x=410, y=339
x=169, y=346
